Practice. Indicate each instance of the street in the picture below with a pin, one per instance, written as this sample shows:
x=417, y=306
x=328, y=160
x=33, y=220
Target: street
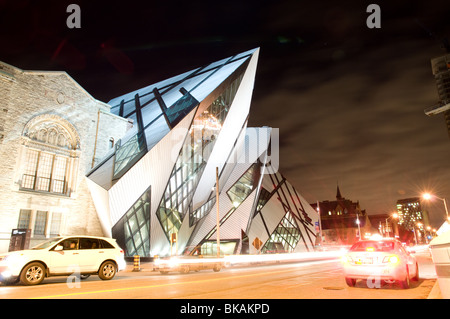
x=303, y=280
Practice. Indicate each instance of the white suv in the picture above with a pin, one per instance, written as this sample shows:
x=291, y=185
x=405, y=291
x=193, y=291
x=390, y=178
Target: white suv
x=63, y=256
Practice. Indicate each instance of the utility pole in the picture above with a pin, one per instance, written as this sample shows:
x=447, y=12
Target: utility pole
x=217, y=216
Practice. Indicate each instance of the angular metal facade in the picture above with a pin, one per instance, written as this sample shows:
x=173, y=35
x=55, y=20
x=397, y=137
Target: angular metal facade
x=160, y=178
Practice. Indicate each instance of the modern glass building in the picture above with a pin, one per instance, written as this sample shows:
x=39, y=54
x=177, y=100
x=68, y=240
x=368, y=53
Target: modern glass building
x=160, y=179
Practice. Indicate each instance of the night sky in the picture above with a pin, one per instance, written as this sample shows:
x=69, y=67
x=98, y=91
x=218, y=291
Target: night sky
x=348, y=100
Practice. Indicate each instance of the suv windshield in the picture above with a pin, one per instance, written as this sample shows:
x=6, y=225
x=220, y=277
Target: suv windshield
x=373, y=246
x=47, y=243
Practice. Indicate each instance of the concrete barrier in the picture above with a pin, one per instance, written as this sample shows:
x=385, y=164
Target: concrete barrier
x=440, y=251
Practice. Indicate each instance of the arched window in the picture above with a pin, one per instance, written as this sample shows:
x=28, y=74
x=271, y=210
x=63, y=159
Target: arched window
x=50, y=153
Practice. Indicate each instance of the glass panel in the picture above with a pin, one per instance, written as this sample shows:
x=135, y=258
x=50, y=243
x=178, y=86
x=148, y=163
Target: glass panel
x=181, y=108
x=40, y=223
x=30, y=169
x=59, y=174
x=140, y=216
x=136, y=227
x=132, y=222
x=201, y=212
x=137, y=239
x=24, y=219
x=264, y=197
x=284, y=238
x=44, y=172
x=244, y=186
x=89, y=243
x=131, y=251
x=56, y=224
x=129, y=153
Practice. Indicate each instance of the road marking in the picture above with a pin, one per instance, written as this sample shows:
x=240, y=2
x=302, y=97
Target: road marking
x=163, y=285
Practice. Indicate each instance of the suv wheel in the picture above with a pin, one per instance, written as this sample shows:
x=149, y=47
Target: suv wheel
x=107, y=270
x=32, y=274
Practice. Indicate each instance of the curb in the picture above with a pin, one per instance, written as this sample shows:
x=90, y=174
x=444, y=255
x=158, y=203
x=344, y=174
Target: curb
x=148, y=266
x=435, y=292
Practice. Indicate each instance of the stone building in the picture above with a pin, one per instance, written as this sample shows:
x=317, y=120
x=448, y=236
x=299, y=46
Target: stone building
x=52, y=132
x=339, y=221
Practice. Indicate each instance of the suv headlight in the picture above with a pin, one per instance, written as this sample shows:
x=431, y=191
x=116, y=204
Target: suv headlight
x=11, y=259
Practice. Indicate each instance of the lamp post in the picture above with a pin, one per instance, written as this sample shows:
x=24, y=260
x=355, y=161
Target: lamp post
x=428, y=196
x=359, y=227
x=393, y=216
x=217, y=213
x=415, y=235
x=320, y=224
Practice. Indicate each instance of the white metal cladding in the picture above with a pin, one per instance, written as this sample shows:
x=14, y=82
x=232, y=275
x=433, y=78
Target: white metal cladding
x=153, y=169
x=103, y=173
x=272, y=213
x=101, y=203
x=215, y=77
x=231, y=228
x=209, y=221
x=306, y=227
x=229, y=133
x=257, y=230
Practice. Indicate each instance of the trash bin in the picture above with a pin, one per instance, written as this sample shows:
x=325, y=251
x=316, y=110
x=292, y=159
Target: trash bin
x=440, y=251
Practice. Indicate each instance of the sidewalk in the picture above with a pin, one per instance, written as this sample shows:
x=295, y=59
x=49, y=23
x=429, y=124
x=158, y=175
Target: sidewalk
x=144, y=266
x=435, y=293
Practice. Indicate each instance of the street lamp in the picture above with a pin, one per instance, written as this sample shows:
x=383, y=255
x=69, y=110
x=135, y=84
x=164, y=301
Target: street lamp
x=428, y=196
x=393, y=216
x=359, y=227
x=415, y=235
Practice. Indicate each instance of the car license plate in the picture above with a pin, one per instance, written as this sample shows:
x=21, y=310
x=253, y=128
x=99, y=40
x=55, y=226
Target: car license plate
x=364, y=261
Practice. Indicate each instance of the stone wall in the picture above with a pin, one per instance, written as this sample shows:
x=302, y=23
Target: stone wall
x=52, y=96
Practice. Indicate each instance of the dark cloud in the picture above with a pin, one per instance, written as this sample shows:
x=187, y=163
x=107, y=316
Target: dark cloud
x=360, y=122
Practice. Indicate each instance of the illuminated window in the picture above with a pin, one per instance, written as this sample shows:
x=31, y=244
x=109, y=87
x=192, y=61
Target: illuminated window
x=201, y=212
x=132, y=231
x=244, y=186
x=284, y=238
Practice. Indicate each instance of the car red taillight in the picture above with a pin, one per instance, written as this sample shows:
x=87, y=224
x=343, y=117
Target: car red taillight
x=392, y=260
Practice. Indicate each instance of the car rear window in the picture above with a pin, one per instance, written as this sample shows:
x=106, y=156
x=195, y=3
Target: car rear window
x=105, y=244
x=373, y=246
x=89, y=243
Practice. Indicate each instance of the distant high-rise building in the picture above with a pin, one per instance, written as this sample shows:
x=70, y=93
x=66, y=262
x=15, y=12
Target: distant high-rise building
x=410, y=214
x=441, y=72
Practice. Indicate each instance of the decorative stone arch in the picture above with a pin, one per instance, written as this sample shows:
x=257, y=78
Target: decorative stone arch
x=49, y=157
x=54, y=130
